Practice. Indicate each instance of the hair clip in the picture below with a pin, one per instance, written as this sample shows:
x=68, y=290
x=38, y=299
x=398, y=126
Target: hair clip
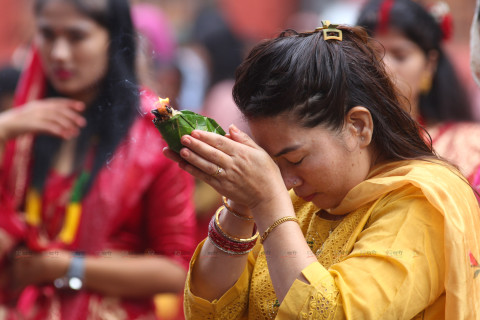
x=442, y=14
x=330, y=31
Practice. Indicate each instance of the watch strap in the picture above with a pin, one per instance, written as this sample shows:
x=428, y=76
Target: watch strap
x=77, y=267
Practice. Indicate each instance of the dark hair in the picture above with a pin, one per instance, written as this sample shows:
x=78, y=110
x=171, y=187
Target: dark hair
x=9, y=76
x=446, y=100
x=8, y=79
x=318, y=81
x=111, y=114
x=225, y=49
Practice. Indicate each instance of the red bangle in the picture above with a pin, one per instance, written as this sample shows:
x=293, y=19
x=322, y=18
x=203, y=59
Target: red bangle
x=227, y=243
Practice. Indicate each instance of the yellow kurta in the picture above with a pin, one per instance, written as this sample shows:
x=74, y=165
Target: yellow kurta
x=402, y=252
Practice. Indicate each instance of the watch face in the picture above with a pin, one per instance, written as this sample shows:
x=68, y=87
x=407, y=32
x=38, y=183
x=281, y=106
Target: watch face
x=60, y=283
x=75, y=283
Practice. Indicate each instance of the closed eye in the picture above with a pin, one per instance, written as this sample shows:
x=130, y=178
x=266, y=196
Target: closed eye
x=298, y=162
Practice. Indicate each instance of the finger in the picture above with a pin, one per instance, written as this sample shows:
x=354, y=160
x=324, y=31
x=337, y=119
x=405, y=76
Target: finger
x=72, y=116
x=74, y=104
x=207, y=164
x=224, y=146
x=63, y=125
x=191, y=169
x=59, y=132
x=240, y=136
x=172, y=155
x=210, y=178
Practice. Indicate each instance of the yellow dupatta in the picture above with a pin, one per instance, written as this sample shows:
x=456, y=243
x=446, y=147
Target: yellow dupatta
x=453, y=198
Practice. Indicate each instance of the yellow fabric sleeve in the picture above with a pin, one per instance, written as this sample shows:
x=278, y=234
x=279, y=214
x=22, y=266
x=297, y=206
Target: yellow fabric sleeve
x=393, y=272
x=232, y=305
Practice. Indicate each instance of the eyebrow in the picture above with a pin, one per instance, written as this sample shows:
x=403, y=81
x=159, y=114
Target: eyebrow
x=82, y=27
x=287, y=150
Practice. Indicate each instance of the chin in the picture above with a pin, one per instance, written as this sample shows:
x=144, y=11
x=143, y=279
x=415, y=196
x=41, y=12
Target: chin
x=66, y=90
x=326, y=202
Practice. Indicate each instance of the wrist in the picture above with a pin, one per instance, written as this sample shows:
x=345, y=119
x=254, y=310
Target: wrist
x=239, y=211
x=234, y=226
x=225, y=241
x=6, y=119
x=270, y=210
x=74, y=276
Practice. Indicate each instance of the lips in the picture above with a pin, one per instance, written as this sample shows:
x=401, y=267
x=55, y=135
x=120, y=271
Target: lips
x=62, y=74
x=308, y=198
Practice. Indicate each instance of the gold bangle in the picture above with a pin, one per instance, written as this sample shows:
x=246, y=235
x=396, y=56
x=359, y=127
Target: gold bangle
x=230, y=237
x=236, y=214
x=276, y=224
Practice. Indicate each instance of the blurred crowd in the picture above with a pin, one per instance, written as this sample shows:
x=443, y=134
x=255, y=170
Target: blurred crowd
x=188, y=51
x=196, y=45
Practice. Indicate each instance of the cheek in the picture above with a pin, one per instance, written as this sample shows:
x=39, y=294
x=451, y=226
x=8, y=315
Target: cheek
x=409, y=72
x=92, y=62
x=44, y=49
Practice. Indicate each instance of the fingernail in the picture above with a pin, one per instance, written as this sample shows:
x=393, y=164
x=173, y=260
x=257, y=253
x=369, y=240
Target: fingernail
x=234, y=128
x=184, y=152
x=186, y=140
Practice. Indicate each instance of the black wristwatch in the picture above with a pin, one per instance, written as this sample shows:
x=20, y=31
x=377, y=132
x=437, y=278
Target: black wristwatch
x=74, y=278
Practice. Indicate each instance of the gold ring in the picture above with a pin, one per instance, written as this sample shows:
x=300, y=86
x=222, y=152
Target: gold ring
x=219, y=170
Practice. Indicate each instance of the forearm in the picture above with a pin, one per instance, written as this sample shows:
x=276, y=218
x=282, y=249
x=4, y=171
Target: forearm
x=133, y=276
x=8, y=119
x=285, y=247
x=287, y=255
x=214, y=271
x=129, y=276
x=4, y=131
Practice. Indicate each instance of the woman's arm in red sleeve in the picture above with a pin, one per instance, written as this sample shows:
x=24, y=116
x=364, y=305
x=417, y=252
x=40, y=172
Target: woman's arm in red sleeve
x=171, y=214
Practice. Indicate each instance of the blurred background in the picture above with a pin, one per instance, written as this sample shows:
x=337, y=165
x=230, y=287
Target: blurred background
x=191, y=48
x=206, y=40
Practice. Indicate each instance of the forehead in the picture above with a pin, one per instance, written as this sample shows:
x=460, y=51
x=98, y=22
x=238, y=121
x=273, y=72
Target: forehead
x=280, y=133
x=397, y=40
x=57, y=14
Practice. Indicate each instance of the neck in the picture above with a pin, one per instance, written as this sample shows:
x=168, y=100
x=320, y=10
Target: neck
x=86, y=96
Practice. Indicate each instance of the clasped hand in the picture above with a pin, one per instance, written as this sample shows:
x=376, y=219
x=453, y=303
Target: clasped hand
x=248, y=175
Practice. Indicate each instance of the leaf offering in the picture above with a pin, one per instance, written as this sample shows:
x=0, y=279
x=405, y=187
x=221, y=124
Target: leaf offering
x=173, y=124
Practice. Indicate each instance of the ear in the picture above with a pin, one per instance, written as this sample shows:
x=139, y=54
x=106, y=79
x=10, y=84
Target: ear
x=432, y=61
x=359, y=124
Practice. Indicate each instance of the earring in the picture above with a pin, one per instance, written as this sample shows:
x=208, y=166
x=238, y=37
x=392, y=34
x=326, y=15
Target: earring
x=295, y=182
x=425, y=83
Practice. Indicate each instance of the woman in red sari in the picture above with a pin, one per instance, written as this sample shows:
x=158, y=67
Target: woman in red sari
x=413, y=37
x=94, y=220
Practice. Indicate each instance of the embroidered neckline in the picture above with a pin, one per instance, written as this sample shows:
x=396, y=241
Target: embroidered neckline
x=323, y=214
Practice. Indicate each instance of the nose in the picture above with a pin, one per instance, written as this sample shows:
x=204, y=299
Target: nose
x=291, y=180
x=60, y=50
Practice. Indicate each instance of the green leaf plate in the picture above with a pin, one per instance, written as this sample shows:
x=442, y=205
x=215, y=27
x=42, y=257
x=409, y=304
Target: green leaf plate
x=184, y=123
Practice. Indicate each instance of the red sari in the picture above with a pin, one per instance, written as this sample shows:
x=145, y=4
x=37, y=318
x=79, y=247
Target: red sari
x=140, y=202
x=459, y=143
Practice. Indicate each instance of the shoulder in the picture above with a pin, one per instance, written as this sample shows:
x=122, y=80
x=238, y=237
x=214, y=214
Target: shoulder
x=422, y=173
x=434, y=184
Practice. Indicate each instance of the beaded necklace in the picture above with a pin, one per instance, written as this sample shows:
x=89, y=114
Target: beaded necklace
x=73, y=209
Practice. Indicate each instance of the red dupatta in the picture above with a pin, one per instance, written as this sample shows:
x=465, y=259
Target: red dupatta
x=16, y=158
x=14, y=168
